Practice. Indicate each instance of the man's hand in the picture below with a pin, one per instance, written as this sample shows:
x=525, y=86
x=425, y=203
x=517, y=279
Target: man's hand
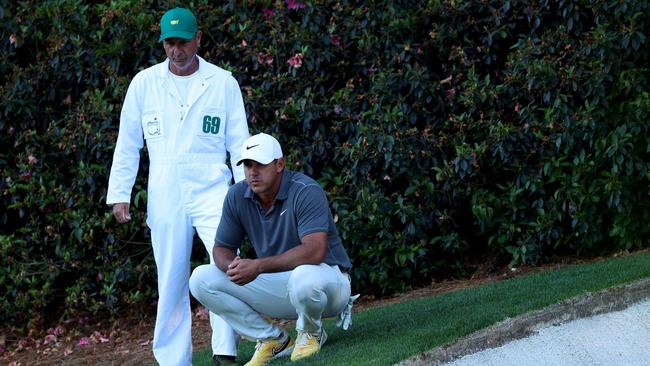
x=121, y=212
x=242, y=271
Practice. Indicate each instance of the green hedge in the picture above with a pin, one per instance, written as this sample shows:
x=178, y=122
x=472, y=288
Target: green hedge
x=446, y=133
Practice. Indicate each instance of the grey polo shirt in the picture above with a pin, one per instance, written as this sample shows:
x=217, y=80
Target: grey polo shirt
x=300, y=208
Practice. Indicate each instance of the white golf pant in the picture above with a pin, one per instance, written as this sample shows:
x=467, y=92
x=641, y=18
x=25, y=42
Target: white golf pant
x=308, y=294
x=173, y=219
x=224, y=339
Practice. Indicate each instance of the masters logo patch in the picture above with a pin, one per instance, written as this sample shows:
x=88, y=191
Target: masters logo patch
x=153, y=128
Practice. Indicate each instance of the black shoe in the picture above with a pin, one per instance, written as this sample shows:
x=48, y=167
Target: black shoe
x=220, y=360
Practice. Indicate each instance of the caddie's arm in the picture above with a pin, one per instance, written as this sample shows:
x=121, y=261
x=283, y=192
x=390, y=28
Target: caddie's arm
x=312, y=250
x=237, y=127
x=126, y=158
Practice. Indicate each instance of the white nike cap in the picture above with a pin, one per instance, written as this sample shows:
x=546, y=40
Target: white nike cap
x=262, y=148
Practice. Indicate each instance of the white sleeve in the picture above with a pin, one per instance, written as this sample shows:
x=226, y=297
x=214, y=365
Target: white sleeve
x=130, y=140
x=236, y=127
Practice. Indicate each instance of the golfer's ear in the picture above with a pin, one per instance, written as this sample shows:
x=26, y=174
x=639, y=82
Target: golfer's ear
x=279, y=164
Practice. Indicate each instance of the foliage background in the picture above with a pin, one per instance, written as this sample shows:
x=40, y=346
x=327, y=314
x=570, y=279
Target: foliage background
x=446, y=133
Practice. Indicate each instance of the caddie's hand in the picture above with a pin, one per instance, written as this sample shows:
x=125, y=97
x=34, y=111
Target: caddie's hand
x=121, y=212
x=242, y=271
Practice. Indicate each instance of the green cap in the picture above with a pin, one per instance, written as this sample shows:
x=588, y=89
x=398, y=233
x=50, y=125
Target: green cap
x=178, y=22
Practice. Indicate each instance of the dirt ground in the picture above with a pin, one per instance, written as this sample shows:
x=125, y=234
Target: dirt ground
x=128, y=341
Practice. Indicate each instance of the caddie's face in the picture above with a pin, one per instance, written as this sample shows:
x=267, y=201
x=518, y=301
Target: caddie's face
x=181, y=54
x=263, y=179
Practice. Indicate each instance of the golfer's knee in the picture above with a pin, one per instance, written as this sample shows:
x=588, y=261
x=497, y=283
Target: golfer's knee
x=204, y=280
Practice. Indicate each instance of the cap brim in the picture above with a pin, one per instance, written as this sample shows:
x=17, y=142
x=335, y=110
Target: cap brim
x=177, y=34
x=253, y=159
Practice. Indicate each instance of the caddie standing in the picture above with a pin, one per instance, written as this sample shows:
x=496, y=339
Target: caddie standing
x=191, y=114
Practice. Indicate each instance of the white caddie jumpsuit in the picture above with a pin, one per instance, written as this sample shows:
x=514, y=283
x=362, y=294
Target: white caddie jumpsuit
x=187, y=141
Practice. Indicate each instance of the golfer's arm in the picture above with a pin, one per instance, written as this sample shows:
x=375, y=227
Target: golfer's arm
x=223, y=256
x=312, y=250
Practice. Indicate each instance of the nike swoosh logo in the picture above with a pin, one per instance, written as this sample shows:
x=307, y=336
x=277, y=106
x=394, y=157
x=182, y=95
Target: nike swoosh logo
x=282, y=213
x=280, y=348
x=250, y=147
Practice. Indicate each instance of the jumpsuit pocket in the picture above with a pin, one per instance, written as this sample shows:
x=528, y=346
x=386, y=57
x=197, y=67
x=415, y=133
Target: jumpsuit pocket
x=152, y=126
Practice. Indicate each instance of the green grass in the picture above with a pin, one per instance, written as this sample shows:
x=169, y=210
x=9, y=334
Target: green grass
x=388, y=334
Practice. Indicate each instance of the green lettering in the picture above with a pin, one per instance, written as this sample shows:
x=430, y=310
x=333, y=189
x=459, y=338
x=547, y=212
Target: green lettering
x=216, y=122
x=211, y=124
x=206, y=124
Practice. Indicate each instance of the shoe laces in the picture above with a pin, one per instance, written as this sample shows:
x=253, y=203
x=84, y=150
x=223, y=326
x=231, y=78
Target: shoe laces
x=258, y=345
x=304, y=337
x=261, y=343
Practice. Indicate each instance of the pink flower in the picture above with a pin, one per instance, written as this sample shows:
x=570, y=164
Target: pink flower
x=98, y=337
x=294, y=5
x=31, y=159
x=296, y=60
x=517, y=108
x=268, y=12
x=387, y=178
x=22, y=344
x=265, y=58
x=450, y=92
x=336, y=39
x=49, y=339
x=59, y=329
x=84, y=341
x=244, y=43
x=202, y=313
x=12, y=39
x=338, y=109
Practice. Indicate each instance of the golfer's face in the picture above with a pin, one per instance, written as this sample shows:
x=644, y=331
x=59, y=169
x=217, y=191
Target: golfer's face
x=261, y=178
